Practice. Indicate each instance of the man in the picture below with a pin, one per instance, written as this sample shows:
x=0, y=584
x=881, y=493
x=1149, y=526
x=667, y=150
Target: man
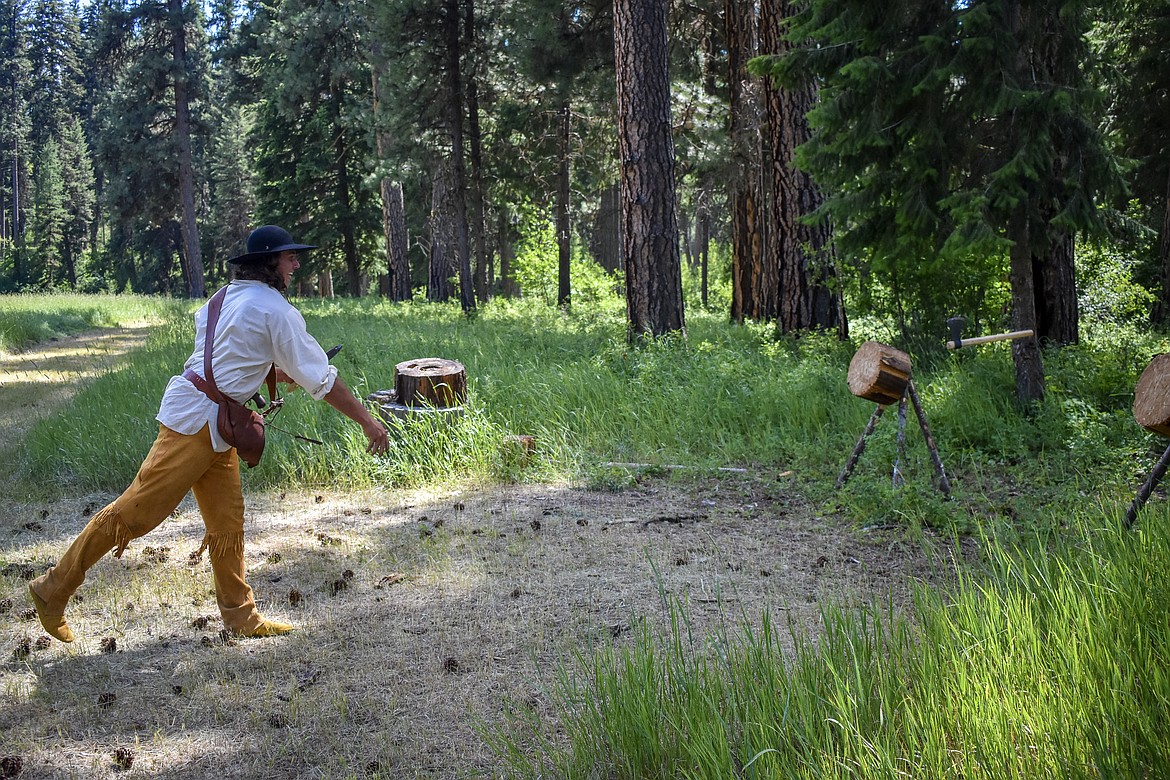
x=257, y=328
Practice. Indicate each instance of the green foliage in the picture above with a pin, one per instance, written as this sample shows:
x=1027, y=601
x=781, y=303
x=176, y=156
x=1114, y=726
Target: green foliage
x=534, y=267
x=935, y=139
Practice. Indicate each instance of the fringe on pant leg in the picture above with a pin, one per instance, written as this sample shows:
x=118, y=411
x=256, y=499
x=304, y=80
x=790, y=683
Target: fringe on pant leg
x=112, y=516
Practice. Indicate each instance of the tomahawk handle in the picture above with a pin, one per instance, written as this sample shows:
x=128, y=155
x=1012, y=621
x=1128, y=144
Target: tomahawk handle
x=1015, y=334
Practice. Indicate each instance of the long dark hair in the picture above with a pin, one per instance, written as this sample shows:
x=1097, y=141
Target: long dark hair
x=262, y=270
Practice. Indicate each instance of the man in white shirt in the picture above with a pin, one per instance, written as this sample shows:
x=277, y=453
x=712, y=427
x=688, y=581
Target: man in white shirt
x=257, y=328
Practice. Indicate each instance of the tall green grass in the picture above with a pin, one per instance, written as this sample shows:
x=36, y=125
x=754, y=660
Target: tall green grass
x=1054, y=662
x=725, y=396
x=28, y=319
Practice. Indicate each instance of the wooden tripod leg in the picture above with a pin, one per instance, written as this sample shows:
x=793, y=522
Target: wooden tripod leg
x=860, y=448
x=944, y=484
x=1143, y=494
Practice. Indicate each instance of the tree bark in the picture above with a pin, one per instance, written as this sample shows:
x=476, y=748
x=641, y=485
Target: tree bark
x=563, y=243
x=442, y=257
x=192, y=253
x=879, y=373
x=433, y=382
x=803, y=253
x=393, y=212
x=748, y=277
x=458, y=176
x=605, y=238
x=394, y=226
x=562, y=216
x=704, y=249
x=1057, y=313
x=1025, y=352
x=1151, y=396
x=646, y=151
x=508, y=286
x=475, y=143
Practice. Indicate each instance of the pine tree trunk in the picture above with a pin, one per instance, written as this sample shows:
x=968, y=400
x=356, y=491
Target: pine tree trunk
x=393, y=213
x=394, y=226
x=475, y=144
x=804, y=252
x=442, y=267
x=562, y=209
x=1057, y=314
x=744, y=193
x=605, y=238
x=1025, y=352
x=192, y=253
x=505, y=237
x=646, y=159
x=458, y=177
x=704, y=250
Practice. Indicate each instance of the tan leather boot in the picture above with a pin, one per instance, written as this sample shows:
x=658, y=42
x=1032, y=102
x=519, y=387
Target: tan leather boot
x=51, y=591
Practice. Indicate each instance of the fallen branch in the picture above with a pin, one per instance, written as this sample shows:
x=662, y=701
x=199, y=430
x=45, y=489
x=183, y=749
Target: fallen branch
x=666, y=466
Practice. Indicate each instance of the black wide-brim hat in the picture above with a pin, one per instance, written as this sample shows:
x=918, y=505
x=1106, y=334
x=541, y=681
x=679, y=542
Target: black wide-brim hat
x=267, y=240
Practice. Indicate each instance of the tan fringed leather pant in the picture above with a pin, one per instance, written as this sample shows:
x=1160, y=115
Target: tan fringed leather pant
x=174, y=465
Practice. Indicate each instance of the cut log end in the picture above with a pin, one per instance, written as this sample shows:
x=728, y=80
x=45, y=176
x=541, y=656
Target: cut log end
x=1151, y=396
x=879, y=373
x=433, y=382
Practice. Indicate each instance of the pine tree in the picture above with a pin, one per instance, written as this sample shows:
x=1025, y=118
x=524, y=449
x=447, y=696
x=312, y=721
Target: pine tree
x=310, y=139
x=649, y=225
x=14, y=133
x=47, y=220
x=947, y=134
x=144, y=139
x=79, y=196
x=1132, y=35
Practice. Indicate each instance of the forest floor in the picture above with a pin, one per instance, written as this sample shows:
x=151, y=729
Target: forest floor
x=421, y=616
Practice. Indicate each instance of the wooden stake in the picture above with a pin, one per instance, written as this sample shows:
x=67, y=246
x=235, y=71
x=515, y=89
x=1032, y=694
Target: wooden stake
x=1143, y=494
x=860, y=448
x=944, y=484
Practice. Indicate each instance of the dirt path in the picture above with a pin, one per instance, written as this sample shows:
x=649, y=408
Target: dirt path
x=420, y=616
x=38, y=381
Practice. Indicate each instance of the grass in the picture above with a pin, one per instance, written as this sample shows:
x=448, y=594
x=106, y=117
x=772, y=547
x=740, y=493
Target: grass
x=29, y=319
x=1052, y=663
x=1046, y=656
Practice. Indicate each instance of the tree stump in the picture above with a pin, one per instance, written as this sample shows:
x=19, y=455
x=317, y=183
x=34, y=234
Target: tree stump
x=879, y=373
x=1151, y=396
x=434, y=382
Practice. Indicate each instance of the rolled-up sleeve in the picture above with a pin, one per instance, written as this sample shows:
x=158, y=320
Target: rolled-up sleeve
x=300, y=356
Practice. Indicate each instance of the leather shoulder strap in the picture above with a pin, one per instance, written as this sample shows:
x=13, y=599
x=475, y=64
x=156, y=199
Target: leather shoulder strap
x=214, y=306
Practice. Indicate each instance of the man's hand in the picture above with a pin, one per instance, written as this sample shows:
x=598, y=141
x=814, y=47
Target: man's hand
x=378, y=436
x=343, y=400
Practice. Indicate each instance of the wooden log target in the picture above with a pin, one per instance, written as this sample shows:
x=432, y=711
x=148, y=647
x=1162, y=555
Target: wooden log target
x=1151, y=396
x=879, y=373
x=434, y=382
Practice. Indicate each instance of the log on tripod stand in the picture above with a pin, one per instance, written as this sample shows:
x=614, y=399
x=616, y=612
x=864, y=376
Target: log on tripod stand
x=879, y=373
x=1151, y=396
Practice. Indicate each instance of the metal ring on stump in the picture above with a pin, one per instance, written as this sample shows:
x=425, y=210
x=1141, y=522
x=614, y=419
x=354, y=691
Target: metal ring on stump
x=879, y=373
x=1151, y=396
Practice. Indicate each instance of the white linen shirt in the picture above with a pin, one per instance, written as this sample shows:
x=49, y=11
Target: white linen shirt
x=257, y=327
